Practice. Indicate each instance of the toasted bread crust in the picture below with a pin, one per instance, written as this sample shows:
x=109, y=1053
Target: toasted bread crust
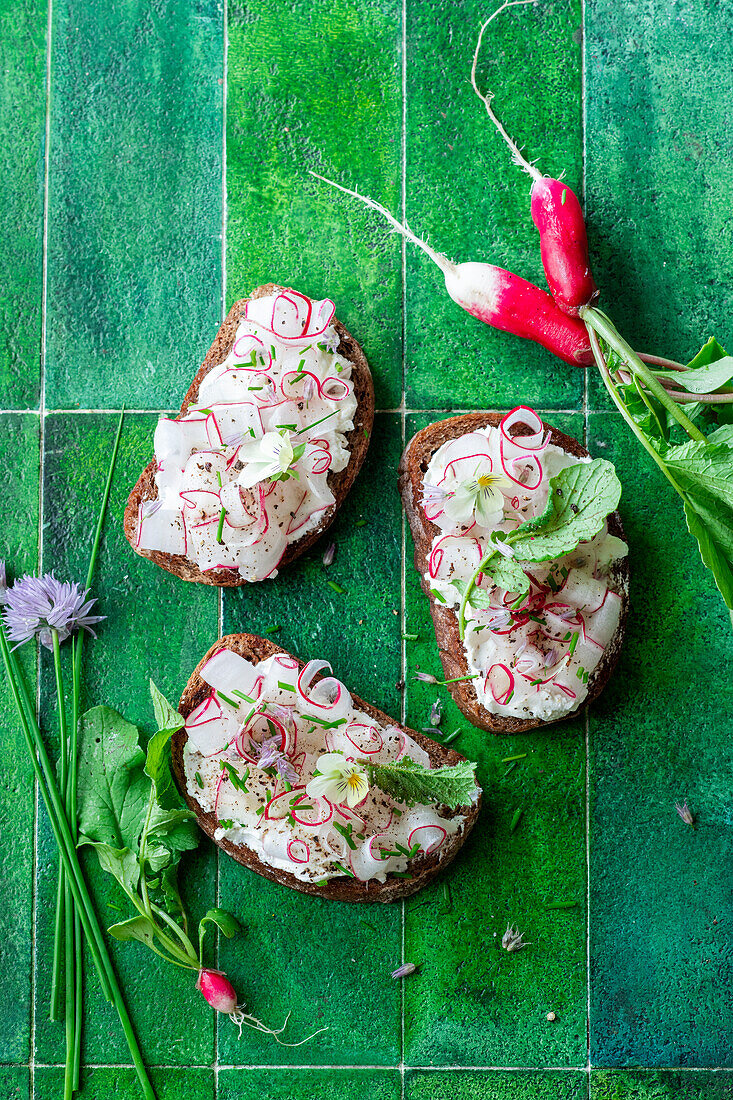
x=413, y=466
x=256, y=649
x=339, y=483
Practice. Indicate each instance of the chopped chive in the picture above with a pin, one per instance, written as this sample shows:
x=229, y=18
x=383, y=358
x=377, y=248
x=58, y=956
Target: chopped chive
x=231, y=702
x=456, y=733
x=366, y=433
x=285, y=687
x=580, y=672
x=289, y=427
x=437, y=595
x=564, y=196
x=288, y=785
x=199, y=780
x=226, y=823
x=510, y=768
x=337, y=588
x=516, y=819
x=247, y=698
x=573, y=644
x=360, y=523
x=273, y=629
x=272, y=350
x=220, y=528
x=567, y=637
x=508, y=759
x=218, y=478
x=319, y=882
x=345, y=870
x=410, y=637
x=562, y=905
x=110, y=905
x=316, y=422
x=447, y=898
x=322, y=722
x=260, y=811
x=457, y=679
x=346, y=832
x=401, y=874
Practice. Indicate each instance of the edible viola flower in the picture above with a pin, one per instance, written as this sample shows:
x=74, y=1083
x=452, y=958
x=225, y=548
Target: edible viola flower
x=268, y=459
x=513, y=939
x=479, y=498
x=338, y=779
x=685, y=812
x=270, y=755
x=38, y=606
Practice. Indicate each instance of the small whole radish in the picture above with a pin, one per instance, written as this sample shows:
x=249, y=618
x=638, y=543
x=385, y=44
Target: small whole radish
x=218, y=991
x=499, y=298
x=557, y=213
x=555, y=210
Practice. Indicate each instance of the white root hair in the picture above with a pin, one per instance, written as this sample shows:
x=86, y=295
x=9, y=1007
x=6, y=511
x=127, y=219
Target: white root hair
x=243, y=1019
x=438, y=258
x=487, y=97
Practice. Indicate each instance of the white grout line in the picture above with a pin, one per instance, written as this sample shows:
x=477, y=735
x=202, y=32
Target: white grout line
x=398, y=411
x=41, y=465
x=315, y=1065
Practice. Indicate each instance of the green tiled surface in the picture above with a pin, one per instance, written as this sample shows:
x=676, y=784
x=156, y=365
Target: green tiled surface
x=634, y=1084
x=495, y=1085
x=19, y=544
x=22, y=135
x=638, y=971
x=135, y=199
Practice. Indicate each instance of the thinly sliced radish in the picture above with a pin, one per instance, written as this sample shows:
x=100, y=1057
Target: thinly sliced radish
x=429, y=837
x=298, y=851
x=227, y=672
x=327, y=696
x=312, y=813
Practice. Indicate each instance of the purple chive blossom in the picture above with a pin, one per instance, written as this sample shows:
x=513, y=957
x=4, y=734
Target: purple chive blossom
x=404, y=971
x=513, y=939
x=36, y=606
x=436, y=713
x=329, y=554
x=270, y=755
x=685, y=812
x=3, y=584
x=426, y=678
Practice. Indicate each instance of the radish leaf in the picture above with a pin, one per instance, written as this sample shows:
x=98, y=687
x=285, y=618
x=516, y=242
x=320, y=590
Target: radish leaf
x=581, y=498
x=137, y=928
x=157, y=763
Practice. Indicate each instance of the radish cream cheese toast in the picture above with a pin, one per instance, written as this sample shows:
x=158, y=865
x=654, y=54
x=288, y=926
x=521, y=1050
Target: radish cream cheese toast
x=312, y=787
x=270, y=437
x=521, y=553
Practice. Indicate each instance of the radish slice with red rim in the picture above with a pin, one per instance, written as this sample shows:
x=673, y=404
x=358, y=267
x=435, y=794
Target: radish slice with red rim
x=429, y=837
x=298, y=851
x=312, y=813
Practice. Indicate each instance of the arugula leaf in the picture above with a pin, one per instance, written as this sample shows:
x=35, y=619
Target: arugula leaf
x=407, y=781
x=581, y=498
x=157, y=763
x=113, y=790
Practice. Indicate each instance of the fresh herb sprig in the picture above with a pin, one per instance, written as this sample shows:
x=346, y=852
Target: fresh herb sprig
x=698, y=466
x=130, y=814
x=407, y=781
x=581, y=498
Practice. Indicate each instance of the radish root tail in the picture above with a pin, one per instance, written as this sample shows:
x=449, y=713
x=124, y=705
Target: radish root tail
x=438, y=258
x=487, y=98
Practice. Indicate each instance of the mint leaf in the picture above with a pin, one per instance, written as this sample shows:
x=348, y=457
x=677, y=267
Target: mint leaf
x=581, y=498
x=406, y=781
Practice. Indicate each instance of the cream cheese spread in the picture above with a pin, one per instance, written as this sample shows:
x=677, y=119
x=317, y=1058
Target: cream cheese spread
x=530, y=657
x=245, y=472
x=253, y=747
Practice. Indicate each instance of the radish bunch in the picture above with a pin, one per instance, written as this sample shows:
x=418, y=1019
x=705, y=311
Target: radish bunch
x=665, y=403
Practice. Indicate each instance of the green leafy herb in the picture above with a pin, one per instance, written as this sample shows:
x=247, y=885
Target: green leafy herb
x=129, y=816
x=406, y=781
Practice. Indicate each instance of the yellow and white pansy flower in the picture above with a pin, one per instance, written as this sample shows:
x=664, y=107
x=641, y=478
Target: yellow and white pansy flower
x=339, y=780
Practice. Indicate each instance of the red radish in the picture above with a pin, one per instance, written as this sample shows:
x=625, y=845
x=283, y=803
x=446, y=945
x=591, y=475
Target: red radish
x=556, y=211
x=218, y=991
x=499, y=298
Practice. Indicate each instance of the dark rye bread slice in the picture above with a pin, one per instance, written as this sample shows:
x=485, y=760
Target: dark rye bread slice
x=339, y=483
x=256, y=649
x=413, y=466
